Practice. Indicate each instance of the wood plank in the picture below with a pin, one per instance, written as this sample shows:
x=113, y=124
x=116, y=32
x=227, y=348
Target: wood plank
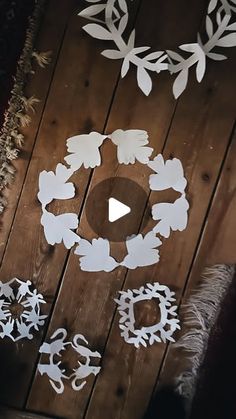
x=199, y=135
x=91, y=306
x=217, y=246
x=78, y=101
x=49, y=39
x=6, y=413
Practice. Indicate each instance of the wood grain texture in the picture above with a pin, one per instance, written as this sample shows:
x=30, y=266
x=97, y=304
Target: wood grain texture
x=73, y=106
x=101, y=288
x=85, y=95
x=6, y=413
x=217, y=245
x=50, y=39
x=196, y=137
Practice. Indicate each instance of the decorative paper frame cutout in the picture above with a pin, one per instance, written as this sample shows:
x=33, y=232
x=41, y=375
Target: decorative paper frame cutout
x=53, y=369
x=220, y=33
x=19, y=292
x=132, y=146
x=162, y=331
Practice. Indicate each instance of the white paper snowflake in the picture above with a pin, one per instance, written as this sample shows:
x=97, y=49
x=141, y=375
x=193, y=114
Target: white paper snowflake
x=132, y=146
x=110, y=22
x=159, y=332
x=56, y=374
x=20, y=309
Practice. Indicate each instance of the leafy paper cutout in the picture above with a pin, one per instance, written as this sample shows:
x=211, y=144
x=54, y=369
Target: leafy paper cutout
x=58, y=228
x=95, y=256
x=85, y=150
x=172, y=216
x=53, y=185
x=142, y=251
x=97, y=31
x=112, y=27
x=131, y=146
x=144, y=80
x=169, y=174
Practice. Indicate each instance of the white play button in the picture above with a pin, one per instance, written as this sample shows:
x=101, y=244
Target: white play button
x=116, y=209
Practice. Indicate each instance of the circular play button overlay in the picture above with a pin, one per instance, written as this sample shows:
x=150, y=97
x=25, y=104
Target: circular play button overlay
x=115, y=208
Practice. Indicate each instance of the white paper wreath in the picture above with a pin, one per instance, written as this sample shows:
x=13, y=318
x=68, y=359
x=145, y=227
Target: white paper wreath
x=20, y=309
x=54, y=370
x=159, y=332
x=84, y=150
x=110, y=22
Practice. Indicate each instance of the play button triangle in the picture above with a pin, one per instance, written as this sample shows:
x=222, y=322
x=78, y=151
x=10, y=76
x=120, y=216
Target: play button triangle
x=116, y=209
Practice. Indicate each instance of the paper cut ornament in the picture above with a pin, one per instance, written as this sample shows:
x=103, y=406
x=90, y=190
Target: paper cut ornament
x=83, y=370
x=54, y=186
x=172, y=216
x=112, y=20
x=160, y=332
x=142, y=251
x=58, y=228
x=95, y=256
x=169, y=174
x=132, y=146
x=56, y=374
x=20, y=309
x=85, y=150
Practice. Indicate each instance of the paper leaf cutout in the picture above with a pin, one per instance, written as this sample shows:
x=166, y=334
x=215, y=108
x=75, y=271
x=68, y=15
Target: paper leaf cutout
x=144, y=80
x=30, y=318
x=95, y=256
x=85, y=149
x=163, y=330
x=92, y=10
x=125, y=67
x=57, y=228
x=97, y=31
x=216, y=57
x=227, y=41
x=209, y=26
x=169, y=174
x=172, y=216
x=53, y=369
x=112, y=54
x=142, y=251
x=212, y=5
x=54, y=186
x=131, y=146
x=180, y=83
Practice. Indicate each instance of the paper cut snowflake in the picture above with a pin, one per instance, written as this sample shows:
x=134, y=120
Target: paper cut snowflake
x=159, y=332
x=111, y=21
x=132, y=146
x=20, y=309
x=54, y=370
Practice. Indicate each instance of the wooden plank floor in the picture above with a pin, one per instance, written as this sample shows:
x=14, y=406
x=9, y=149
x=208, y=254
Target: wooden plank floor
x=81, y=91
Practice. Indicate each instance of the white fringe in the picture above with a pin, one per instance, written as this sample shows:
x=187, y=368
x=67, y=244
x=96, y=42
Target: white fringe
x=199, y=316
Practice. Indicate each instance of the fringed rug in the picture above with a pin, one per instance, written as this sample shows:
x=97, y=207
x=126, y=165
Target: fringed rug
x=19, y=23
x=205, y=388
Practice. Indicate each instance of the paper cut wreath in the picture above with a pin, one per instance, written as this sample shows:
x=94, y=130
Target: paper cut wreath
x=161, y=331
x=111, y=26
x=19, y=309
x=131, y=146
x=54, y=370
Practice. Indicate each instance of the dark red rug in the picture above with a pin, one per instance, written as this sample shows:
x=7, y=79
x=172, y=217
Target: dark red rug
x=14, y=15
